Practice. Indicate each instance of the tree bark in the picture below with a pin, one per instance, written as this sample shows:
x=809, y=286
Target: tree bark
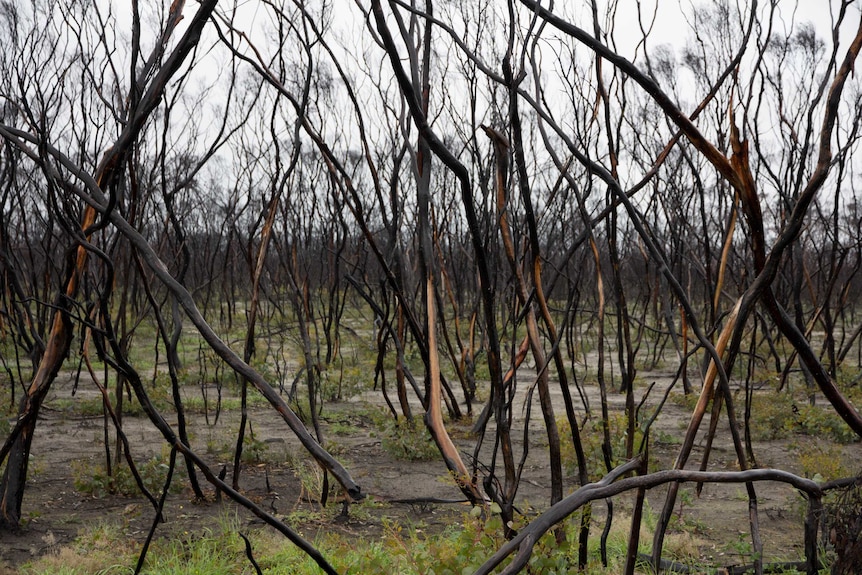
x=57, y=345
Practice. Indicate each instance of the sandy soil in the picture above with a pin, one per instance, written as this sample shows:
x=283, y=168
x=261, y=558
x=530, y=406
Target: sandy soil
x=55, y=512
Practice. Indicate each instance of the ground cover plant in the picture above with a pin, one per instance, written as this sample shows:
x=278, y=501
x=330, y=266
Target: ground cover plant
x=487, y=287
x=398, y=549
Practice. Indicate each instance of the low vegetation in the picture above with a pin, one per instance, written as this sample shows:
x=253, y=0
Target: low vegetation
x=402, y=549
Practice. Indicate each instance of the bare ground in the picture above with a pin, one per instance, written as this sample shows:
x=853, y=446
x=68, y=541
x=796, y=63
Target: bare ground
x=56, y=512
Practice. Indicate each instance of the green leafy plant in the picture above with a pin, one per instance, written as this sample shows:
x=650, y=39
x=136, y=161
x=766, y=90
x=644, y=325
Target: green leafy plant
x=591, y=438
x=822, y=462
x=777, y=415
x=93, y=479
x=342, y=428
x=405, y=550
x=742, y=547
x=254, y=450
x=406, y=440
x=817, y=421
x=310, y=476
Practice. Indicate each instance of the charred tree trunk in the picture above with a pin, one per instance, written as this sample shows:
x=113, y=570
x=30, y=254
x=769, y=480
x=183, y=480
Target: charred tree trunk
x=146, y=96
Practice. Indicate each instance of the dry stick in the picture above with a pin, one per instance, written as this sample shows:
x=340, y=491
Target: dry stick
x=94, y=197
x=447, y=394
x=622, y=197
x=248, y=553
x=172, y=371
x=600, y=367
x=482, y=420
x=125, y=344
x=583, y=475
x=670, y=323
x=722, y=268
x=609, y=487
x=401, y=366
x=625, y=354
x=159, y=517
x=760, y=286
x=535, y=248
x=529, y=536
x=433, y=414
x=278, y=187
x=249, y=348
x=85, y=355
x=848, y=344
x=380, y=375
x=684, y=324
x=467, y=386
x=172, y=342
x=471, y=350
x=501, y=150
x=299, y=298
x=749, y=394
x=714, y=416
x=344, y=180
x=463, y=176
x=725, y=256
x=106, y=402
x=583, y=472
x=294, y=537
x=706, y=394
x=603, y=393
x=637, y=516
x=580, y=456
x=119, y=363
x=457, y=359
x=57, y=345
x=479, y=428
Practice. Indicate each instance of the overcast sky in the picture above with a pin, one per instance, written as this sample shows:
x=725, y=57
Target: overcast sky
x=670, y=26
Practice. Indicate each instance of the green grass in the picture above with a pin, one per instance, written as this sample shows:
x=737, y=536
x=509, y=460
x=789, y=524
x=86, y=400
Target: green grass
x=592, y=438
x=93, y=479
x=403, y=439
x=403, y=550
x=779, y=415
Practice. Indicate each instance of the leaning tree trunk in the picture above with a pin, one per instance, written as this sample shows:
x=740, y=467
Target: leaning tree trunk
x=57, y=346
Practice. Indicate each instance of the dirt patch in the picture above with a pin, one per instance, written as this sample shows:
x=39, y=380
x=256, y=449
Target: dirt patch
x=409, y=492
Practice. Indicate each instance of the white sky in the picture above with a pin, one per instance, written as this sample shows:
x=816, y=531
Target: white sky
x=671, y=28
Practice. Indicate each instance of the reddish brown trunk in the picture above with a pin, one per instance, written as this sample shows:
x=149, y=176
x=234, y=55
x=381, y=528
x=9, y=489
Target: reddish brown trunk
x=15, y=474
